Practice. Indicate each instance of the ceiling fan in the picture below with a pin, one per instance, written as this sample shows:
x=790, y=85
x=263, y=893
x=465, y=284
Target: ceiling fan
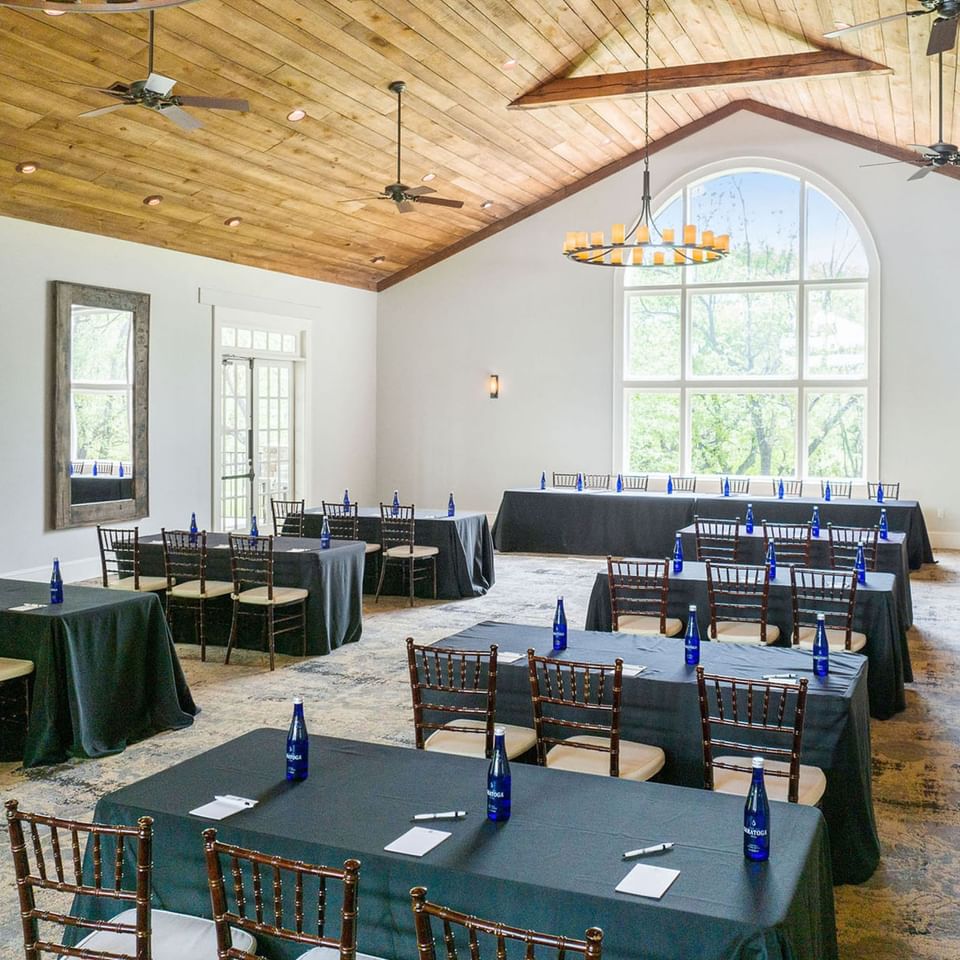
x=943, y=34
x=402, y=195
x=155, y=93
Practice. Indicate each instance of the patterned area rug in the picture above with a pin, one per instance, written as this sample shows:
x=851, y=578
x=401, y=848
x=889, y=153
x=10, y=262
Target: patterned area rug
x=908, y=909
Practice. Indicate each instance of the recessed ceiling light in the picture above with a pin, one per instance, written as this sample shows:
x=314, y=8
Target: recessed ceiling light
x=294, y=115
x=378, y=259
x=28, y=166
x=232, y=222
x=486, y=205
x=154, y=200
x=509, y=64
x=54, y=13
x=427, y=177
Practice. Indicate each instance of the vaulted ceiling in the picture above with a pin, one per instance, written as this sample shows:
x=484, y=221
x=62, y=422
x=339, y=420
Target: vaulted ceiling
x=464, y=61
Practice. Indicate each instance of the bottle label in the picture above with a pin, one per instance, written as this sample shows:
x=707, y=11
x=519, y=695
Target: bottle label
x=756, y=831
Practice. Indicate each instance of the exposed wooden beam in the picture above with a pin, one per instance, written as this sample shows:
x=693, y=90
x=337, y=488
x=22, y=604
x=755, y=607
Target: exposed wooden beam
x=697, y=76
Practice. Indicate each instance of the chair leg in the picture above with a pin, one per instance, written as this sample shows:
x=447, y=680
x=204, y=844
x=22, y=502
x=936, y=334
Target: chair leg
x=303, y=623
x=270, y=612
x=412, y=579
x=201, y=632
x=383, y=570
x=434, y=559
x=233, y=630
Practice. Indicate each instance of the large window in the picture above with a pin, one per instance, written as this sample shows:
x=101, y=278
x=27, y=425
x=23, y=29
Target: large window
x=760, y=364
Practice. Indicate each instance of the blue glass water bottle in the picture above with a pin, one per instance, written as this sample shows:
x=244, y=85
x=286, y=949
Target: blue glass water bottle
x=756, y=817
x=56, y=583
x=827, y=492
x=691, y=639
x=298, y=744
x=821, y=648
x=121, y=470
x=726, y=486
x=254, y=531
x=772, y=560
x=560, y=627
x=669, y=483
x=346, y=499
x=395, y=508
x=677, y=553
x=94, y=471
x=780, y=489
x=815, y=522
x=498, y=779
x=749, y=522
x=619, y=483
x=884, y=526
x=325, y=534
x=879, y=492
x=451, y=506
x=579, y=481
x=194, y=530
x=860, y=564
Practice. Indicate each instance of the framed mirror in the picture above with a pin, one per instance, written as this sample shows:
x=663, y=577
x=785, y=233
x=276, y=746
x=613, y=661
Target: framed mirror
x=101, y=374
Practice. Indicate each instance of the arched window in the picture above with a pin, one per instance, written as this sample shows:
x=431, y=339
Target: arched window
x=763, y=364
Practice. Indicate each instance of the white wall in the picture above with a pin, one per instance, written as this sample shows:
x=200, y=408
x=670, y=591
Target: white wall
x=511, y=305
x=341, y=419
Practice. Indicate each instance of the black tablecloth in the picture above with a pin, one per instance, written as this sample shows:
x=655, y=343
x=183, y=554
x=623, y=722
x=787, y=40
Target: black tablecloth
x=106, y=671
x=891, y=558
x=875, y=615
x=636, y=524
x=90, y=489
x=334, y=578
x=552, y=867
x=465, y=563
x=660, y=707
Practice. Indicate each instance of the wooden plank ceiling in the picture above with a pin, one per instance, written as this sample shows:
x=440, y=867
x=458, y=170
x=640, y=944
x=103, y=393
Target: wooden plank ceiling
x=464, y=61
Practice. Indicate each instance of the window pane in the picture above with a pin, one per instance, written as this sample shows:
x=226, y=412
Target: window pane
x=670, y=215
x=653, y=335
x=743, y=433
x=274, y=341
x=653, y=425
x=100, y=344
x=837, y=333
x=761, y=212
x=228, y=337
x=743, y=334
x=101, y=425
x=289, y=343
x=259, y=339
x=243, y=338
x=835, y=432
x=834, y=249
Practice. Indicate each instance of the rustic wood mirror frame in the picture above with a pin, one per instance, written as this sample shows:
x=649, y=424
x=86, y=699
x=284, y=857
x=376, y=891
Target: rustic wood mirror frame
x=65, y=512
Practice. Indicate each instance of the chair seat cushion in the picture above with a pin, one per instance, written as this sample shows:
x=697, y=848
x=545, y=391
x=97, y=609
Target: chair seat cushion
x=836, y=639
x=638, y=761
x=648, y=626
x=419, y=552
x=281, y=596
x=176, y=936
x=369, y=548
x=147, y=584
x=190, y=590
x=518, y=739
x=812, y=780
x=10, y=668
x=740, y=631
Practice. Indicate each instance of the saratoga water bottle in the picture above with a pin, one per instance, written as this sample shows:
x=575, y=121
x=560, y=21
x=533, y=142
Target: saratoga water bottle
x=298, y=744
x=395, y=507
x=560, y=627
x=677, y=553
x=619, y=483
x=451, y=506
x=780, y=489
x=756, y=817
x=254, y=531
x=669, y=483
x=821, y=648
x=56, y=583
x=815, y=522
x=579, y=481
x=325, y=534
x=194, y=530
x=498, y=779
x=726, y=486
x=121, y=470
x=94, y=471
x=860, y=564
x=772, y=560
x=749, y=522
x=827, y=492
x=879, y=492
x=543, y=480
x=691, y=639
x=884, y=526
x=346, y=499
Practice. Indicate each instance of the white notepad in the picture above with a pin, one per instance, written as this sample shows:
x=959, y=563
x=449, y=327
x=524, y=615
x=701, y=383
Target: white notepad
x=222, y=546
x=632, y=669
x=508, y=656
x=417, y=841
x=25, y=607
x=297, y=550
x=646, y=881
x=222, y=807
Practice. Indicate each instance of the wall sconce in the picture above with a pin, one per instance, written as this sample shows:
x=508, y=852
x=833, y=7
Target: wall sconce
x=494, y=386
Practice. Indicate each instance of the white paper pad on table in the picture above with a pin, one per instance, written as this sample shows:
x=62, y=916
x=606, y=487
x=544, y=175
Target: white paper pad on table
x=297, y=550
x=417, y=841
x=508, y=656
x=646, y=881
x=24, y=607
x=632, y=669
x=222, y=807
x=222, y=546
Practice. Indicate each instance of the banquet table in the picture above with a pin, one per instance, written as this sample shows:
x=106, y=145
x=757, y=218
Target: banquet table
x=333, y=577
x=106, y=671
x=553, y=866
x=660, y=707
x=90, y=489
x=876, y=614
x=464, y=565
x=641, y=524
x=891, y=558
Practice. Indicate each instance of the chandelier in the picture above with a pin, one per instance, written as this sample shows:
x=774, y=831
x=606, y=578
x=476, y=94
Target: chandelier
x=56, y=7
x=645, y=244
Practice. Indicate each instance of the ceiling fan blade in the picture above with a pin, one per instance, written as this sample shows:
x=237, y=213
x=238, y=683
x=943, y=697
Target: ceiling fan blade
x=103, y=110
x=214, y=103
x=159, y=84
x=921, y=173
x=180, y=117
x=922, y=149
x=872, y=23
x=406, y=206
x=378, y=196
x=943, y=36
x=419, y=191
x=881, y=163
x=440, y=201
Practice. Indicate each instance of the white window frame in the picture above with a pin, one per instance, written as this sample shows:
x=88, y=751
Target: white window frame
x=803, y=383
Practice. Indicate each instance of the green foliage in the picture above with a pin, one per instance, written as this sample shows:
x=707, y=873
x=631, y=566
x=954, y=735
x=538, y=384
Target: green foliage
x=101, y=426
x=835, y=423
x=654, y=431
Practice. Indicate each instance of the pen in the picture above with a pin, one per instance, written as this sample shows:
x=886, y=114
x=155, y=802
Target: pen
x=446, y=815
x=644, y=851
x=780, y=676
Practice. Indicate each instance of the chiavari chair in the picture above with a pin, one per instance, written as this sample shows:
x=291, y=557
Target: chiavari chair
x=636, y=481
x=717, y=539
x=839, y=489
x=398, y=542
x=344, y=523
x=844, y=541
x=120, y=561
x=16, y=676
x=639, y=590
x=792, y=542
x=287, y=517
x=684, y=484
x=891, y=491
x=739, y=597
x=791, y=488
x=832, y=593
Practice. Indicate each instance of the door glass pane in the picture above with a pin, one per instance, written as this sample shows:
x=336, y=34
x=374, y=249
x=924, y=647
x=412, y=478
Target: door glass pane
x=835, y=432
x=653, y=336
x=653, y=424
x=837, y=332
x=235, y=507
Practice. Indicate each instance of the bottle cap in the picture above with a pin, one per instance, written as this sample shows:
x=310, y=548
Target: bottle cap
x=820, y=617
x=692, y=608
x=499, y=732
x=758, y=763
x=298, y=699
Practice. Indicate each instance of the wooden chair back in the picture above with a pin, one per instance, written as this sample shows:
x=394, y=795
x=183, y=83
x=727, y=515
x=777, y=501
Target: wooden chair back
x=423, y=912
x=685, y=484
x=830, y=592
x=564, y=689
x=717, y=539
x=844, y=542
x=738, y=485
x=270, y=914
x=397, y=530
x=119, y=554
x=343, y=520
x=183, y=560
x=287, y=517
x=891, y=491
x=738, y=592
x=596, y=481
x=57, y=848
x=791, y=542
x=638, y=588
x=791, y=488
x=563, y=479
x=451, y=685
x=105, y=468
x=635, y=481
x=839, y=489
x=769, y=716
x=251, y=562
x=78, y=467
